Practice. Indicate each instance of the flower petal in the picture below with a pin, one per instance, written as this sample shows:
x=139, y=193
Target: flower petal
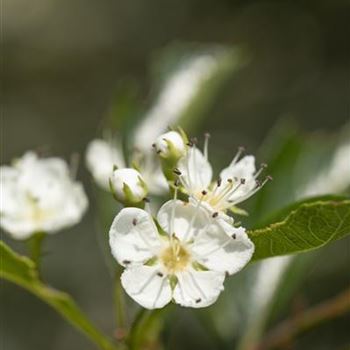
x=147, y=286
x=196, y=171
x=133, y=236
x=223, y=247
x=184, y=219
x=198, y=288
x=101, y=156
x=243, y=169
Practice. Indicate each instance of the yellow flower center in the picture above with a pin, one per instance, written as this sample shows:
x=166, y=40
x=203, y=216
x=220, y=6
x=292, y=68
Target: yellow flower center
x=175, y=257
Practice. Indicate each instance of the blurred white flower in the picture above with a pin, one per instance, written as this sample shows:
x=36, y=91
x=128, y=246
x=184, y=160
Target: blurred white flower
x=236, y=183
x=128, y=186
x=335, y=179
x=101, y=157
x=38, y=195
x=176, y=96
x=170, y=145
x=186, y=261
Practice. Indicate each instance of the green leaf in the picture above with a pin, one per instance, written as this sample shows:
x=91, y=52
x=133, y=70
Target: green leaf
x=309, y=225
x=22, y=271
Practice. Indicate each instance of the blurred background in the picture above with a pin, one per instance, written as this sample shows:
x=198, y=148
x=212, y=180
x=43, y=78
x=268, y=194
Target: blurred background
x=65, y=65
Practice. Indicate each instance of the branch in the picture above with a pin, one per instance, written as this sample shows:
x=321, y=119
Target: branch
x=283, y=333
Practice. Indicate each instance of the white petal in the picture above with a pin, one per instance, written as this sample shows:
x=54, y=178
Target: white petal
x=243, y=169
x=223, y=247
x=198, y=288
x=184, y=219
x=146, y=287
x=133, y=236
x=196, y=171
x=101, y=156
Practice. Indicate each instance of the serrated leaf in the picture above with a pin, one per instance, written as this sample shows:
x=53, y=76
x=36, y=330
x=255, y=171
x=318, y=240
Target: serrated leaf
x=307, y=226
x=22, y=271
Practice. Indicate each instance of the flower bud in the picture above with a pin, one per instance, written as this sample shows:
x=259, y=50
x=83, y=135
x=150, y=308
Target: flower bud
x=170, y=145
x=128, y=186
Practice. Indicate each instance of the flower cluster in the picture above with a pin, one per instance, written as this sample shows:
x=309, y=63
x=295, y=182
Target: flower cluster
x=185, y=253
x=39, y=195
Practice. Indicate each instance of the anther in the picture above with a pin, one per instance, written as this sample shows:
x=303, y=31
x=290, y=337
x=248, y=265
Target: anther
x=153, y=145
x=177, y=183
x=263, y=165
x=134, y=221
x=219, y=182
x=215, y=214
x=258, y=182
x=198, y=300
x=194, y=140
x=234, y=236
x=160, y=274
x=204, y=192
x=159, y=151
x=241, y=149
x=177, y=171
x=126, y=262
x=242, y=181
x=146, y=200
x=270, y=178
x=230, y=180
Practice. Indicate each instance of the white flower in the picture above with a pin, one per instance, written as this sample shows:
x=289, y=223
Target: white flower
x=177, y=94
x=186, y=261
x=128, y=185
x=236, y=183
x=101, y=157
x=38, y=195
x=170, y=144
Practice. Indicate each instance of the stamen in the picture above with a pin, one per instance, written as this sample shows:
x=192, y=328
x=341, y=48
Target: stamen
x=172, y=217
x=194, y=217
x=215, y=215
x=240, y=150
x=160, y=274
x=176, y=171
x=263, y=166
x=147, y=205
x=259, y=186
x=206, y=143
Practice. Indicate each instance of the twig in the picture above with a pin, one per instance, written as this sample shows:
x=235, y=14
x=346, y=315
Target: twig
x=290, y=328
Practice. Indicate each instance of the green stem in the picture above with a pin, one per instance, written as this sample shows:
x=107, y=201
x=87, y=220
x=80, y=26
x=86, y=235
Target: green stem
x=35, y=245
x=119, y=302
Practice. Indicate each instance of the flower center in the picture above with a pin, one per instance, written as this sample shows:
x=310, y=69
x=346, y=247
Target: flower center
x=175, y=257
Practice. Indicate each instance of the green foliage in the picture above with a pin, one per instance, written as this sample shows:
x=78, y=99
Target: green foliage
x=22, y=271
x=308, y=225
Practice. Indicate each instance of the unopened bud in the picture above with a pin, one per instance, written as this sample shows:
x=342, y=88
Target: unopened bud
x=170, y=145
x=128, y=186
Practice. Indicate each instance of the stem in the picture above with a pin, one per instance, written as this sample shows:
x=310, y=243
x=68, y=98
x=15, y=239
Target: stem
x=145, y=329
x=35, y=245
x=119, y=303
x=290, y=328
